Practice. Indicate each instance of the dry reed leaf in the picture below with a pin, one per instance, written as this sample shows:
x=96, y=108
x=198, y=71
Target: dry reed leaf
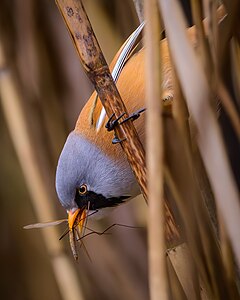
x=176, y=288
x=184, y=266
x=197, y=94
x=189, y=272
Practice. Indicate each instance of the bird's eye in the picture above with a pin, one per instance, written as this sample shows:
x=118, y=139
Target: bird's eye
x=82, y=190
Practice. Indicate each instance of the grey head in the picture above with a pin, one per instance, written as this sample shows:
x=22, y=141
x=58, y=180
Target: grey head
x=87, y=176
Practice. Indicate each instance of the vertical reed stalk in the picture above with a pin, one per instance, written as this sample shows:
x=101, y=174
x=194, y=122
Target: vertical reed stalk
x=139, y=4
x=158, y=278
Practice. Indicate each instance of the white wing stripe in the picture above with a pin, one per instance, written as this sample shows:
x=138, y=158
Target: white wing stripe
x=130, y=44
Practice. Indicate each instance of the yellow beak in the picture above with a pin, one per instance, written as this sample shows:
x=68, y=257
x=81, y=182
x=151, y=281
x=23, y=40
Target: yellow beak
x=77, y=218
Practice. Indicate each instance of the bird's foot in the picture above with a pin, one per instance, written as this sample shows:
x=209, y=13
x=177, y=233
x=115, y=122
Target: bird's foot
x=111, y=124
x=134, y=116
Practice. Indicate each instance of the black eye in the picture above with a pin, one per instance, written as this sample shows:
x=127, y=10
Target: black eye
x=82, y=190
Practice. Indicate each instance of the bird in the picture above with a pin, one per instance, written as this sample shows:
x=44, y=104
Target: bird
x=92, y=173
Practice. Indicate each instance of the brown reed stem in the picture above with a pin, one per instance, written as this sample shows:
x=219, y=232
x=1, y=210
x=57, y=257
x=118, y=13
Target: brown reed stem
x=98, y=72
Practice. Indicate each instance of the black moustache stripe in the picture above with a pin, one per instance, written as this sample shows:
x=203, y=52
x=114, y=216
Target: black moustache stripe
x=97, y=201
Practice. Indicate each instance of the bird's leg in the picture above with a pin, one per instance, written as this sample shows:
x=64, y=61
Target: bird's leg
x=105, y=231
x=111, y=124
x=134, y=116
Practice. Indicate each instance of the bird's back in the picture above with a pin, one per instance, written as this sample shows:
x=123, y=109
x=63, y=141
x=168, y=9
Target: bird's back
x=131, y=85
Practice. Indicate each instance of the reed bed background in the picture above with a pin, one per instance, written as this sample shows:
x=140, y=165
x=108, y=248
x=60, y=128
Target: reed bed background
x=43, y=88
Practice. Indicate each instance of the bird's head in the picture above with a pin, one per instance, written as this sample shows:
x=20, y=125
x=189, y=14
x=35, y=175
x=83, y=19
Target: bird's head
x=88, y=179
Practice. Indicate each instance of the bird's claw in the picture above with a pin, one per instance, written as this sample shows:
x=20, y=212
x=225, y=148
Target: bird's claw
x=134, y=116
x=111, y=124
